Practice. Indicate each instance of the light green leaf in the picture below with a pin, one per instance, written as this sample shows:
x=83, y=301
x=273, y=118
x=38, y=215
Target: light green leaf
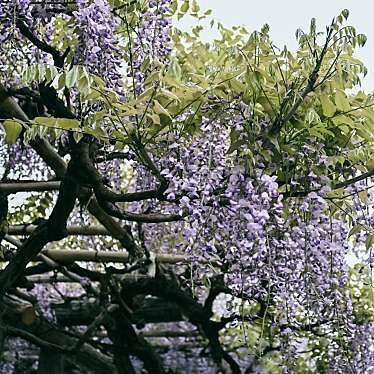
x=12, y=130
x=369, y=241
x=343, y=120
x=173, y=6
x=45, y=121
x=328, y=108
x=77, y=136
x=169, y=94
x=39, y=72
x=61, y=123
x=266, y=104
x=99, y=82
x=71, y=77
x=195, y=7
x=58, y=82
x=355, y=230
x=341, y=101
x=50, y=73
x=159, y=109
x=67, y=123
x=155, y=118
x=185, y=6
x=97, y=133
x=363, y=196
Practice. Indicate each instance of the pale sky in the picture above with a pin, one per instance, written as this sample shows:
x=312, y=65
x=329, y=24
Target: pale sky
x=286, y=16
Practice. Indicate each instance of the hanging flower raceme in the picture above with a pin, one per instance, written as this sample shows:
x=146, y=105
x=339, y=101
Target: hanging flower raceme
x=291, y=252
x=10, y=12
x=151, y=43
x=98, y=48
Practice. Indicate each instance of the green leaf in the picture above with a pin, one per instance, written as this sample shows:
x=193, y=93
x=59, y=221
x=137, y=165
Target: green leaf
x=237, y=86
x=175, y=69
x=61, y=123
x=185, y=6
x=77, y=136
x=343, y=120
x=12, y=130
x=67, y=123
x=159, y=109
x=328, y=108
x=169, y=94
x=99, y=82
x=153, y=77
x=98, y=133
x=369, y=241
x=173, y=6
x=155, y=118
x=345, y=13
x=45, y=121
x=40, y=73
x=50, y=73
x=58, y=82
x=71, y=77
x=195, y=7
x=355, y=230
x=266, y=104
x=206, y=281
x=341, y=101
x=363, y=196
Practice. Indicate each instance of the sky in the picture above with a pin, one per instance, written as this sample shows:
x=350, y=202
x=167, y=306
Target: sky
x=286, y=16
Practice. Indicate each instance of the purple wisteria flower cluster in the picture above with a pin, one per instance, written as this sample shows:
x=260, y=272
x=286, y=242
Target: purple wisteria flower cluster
x=39, y=22
x=9, y=12
x=288, y=250
x=21, y=158
x=284, y=255
x=151, y=43
x=98, y=47
x=362, y=206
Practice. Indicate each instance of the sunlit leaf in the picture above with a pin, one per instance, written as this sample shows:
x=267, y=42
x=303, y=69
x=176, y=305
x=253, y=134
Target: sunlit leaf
x=12, y=130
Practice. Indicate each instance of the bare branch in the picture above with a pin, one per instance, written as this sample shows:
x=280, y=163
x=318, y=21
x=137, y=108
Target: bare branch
x=42, y=45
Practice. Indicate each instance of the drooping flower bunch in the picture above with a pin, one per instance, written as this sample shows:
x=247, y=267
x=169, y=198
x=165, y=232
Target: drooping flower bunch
x=290, y=251
x=152, y=41
x=286, y=253
x=98, y=48
x=21, y=159
x=362, y=206
x=358, y=355
x=9, y=13
x=13, y=359
x=9, y=37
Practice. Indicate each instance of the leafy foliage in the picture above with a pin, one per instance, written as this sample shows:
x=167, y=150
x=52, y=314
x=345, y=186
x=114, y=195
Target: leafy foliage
x=252, y=162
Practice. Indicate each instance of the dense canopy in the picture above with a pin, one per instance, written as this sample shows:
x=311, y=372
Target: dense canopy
x=169, y=205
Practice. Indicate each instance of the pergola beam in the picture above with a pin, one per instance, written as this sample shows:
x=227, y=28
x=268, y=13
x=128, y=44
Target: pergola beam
x=72, y=230
x=29, y=186
x=69, y=256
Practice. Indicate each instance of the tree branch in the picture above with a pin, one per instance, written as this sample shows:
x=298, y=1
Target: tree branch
x=280, y=120
x=196, y=314
x=51, y=230
x=44, y=334
x=42, y=45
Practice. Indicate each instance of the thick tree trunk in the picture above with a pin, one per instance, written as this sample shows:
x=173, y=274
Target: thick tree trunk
x=21, y=322
x=50, y=362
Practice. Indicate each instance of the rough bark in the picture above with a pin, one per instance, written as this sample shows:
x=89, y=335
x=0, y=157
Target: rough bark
x=45, y=335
